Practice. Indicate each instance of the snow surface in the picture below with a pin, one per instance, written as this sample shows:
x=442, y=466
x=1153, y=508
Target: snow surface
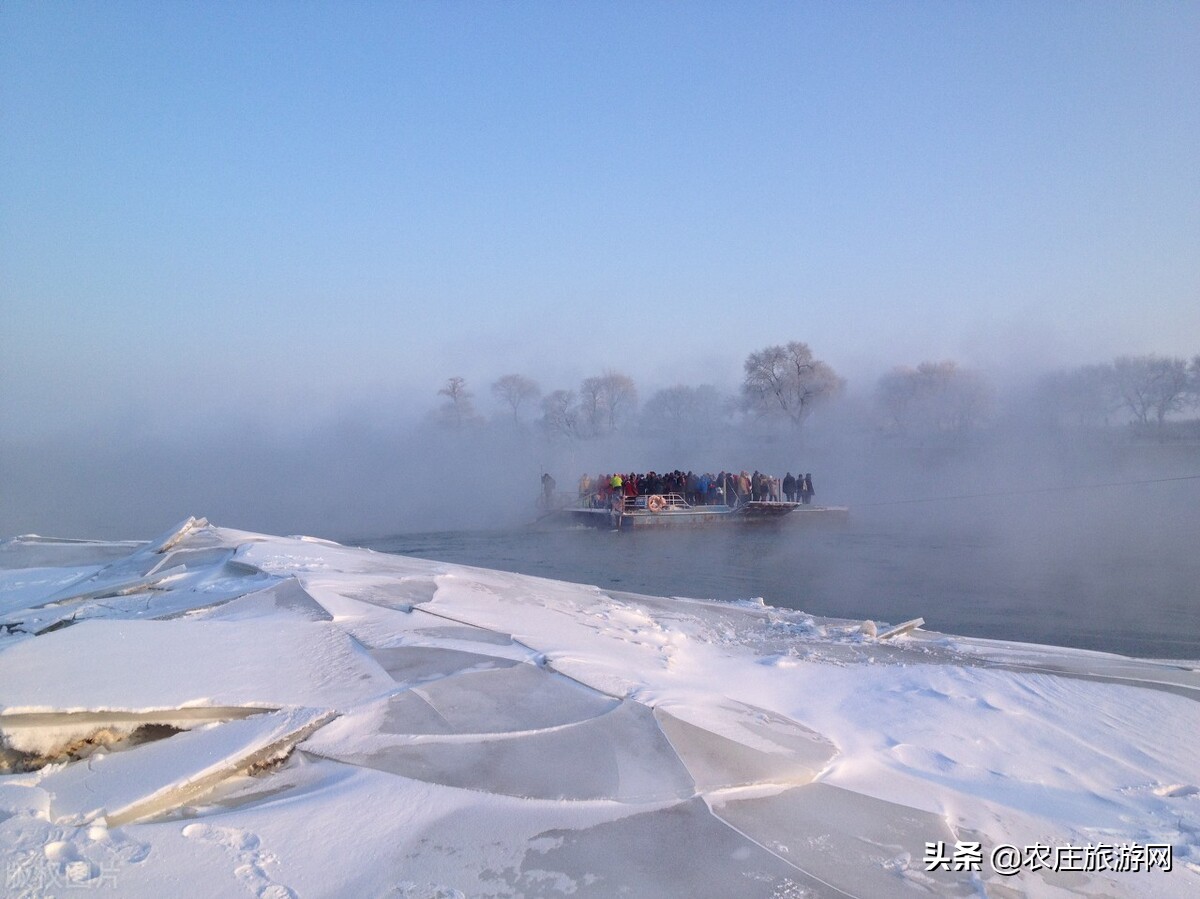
x=358, y=724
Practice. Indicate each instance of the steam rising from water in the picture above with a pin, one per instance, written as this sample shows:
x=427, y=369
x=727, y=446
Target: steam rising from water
x=977, y=534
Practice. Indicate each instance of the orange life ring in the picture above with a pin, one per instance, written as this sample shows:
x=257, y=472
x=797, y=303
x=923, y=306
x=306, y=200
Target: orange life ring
x=656, y=503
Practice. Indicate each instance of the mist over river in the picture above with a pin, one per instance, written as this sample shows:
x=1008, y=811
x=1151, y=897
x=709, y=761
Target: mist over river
x=1115, y=570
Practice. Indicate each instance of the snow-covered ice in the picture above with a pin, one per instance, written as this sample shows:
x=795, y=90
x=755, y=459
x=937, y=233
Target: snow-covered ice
x=233, y=714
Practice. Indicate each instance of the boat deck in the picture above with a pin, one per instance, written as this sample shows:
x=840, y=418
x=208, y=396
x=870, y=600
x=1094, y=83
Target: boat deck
x=670, y=510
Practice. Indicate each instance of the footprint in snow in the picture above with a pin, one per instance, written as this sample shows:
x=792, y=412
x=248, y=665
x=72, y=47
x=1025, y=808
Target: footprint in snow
x=248, y=855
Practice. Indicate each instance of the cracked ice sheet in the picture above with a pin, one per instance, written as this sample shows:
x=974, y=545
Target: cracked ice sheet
x=144, y=584
x=126, y=786
x=345, y=831
x=1012, y=755
x=1020, y=757
x=836, y=685
x=1179, y=676
x=32, y=551
x=383, y=615
x=152, y=665
x=21, y=588
x=282, y=596
x=620, y=755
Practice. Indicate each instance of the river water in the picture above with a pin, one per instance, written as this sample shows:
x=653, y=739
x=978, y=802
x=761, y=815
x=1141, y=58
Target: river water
x=1120, y=575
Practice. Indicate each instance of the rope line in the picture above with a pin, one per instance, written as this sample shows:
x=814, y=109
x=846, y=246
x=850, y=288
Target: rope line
x=1032, y=492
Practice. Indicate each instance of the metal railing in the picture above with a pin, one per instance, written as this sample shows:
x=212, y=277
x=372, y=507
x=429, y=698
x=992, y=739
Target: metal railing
x=662, y=502
x=670, y=502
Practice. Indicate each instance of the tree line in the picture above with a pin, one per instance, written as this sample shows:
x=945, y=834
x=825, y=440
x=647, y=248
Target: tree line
x=784, y=385
x=1144, y=390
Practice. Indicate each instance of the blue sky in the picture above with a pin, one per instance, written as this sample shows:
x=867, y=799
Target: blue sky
x=271, y=207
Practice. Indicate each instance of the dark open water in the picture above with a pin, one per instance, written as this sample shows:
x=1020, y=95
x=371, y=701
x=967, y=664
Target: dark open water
x=1114, y=574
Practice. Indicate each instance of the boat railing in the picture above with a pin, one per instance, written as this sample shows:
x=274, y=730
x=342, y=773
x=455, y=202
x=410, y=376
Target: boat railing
x=656, y=502
x=642, y=502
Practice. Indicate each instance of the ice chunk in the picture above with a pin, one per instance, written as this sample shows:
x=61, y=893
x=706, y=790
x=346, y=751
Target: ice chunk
x=900, y=630
x=345, y=594
x=621, y=756
x=466, y=632
x=861, y=845
x=716, y=761
x=417, y=664
x=138, y=665
x=128, y=786
x=398, y=593
x=519, y=698
x=142, y=585
x=681, y=850
x=282, y=596
x=51, y=734
x=176, y=535
x=32, y=551
x=23, y=588
x=409, y=713
x=381, y=628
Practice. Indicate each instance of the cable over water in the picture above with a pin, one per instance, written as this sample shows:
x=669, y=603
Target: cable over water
x=1030, y=492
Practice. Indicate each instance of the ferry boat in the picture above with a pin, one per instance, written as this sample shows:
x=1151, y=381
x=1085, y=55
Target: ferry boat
x=667, y=510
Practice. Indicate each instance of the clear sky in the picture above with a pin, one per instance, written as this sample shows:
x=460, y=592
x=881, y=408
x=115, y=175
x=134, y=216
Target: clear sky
x=268, y=206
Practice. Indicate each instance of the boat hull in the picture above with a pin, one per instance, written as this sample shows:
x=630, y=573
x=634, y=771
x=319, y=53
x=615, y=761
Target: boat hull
x=697, y=516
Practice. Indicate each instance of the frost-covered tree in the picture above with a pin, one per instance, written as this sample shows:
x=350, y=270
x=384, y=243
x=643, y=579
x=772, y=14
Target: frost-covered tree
x=1081, y=397
x=1151, y=386
x=560, y=414
x=934, y=397
x=679, y=410
x=516, y=391
x=459, y=407
x=607, y=402
x=787, y=382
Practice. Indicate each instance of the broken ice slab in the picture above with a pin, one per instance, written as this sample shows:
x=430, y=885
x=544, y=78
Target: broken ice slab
x=22, y=588
x=287, y=596
x=1179, y=677
x=681, y=850
x=731, y=744
x=144, y=585
x=381, y=628
x=861, y=845
x=418, y=664
x=409, y=713
x=621, y=755
x=467, y=632
x=138, y=665
x=32, y=551
x=384, y=610
x=517, y=698
x=145, y=566
x=351, y=596
x=424, y=626
x=390, y=593
x=52, y=734
x=129, y=786
x=143, y=571
x=901, y=629
x=189, y=527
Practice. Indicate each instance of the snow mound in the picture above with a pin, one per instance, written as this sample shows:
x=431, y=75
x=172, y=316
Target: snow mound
x=336, y=721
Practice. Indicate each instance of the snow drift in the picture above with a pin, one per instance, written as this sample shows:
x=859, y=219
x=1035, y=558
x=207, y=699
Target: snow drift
x=340, y=722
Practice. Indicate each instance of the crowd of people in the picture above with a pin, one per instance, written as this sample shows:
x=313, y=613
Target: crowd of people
x=706, y=489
